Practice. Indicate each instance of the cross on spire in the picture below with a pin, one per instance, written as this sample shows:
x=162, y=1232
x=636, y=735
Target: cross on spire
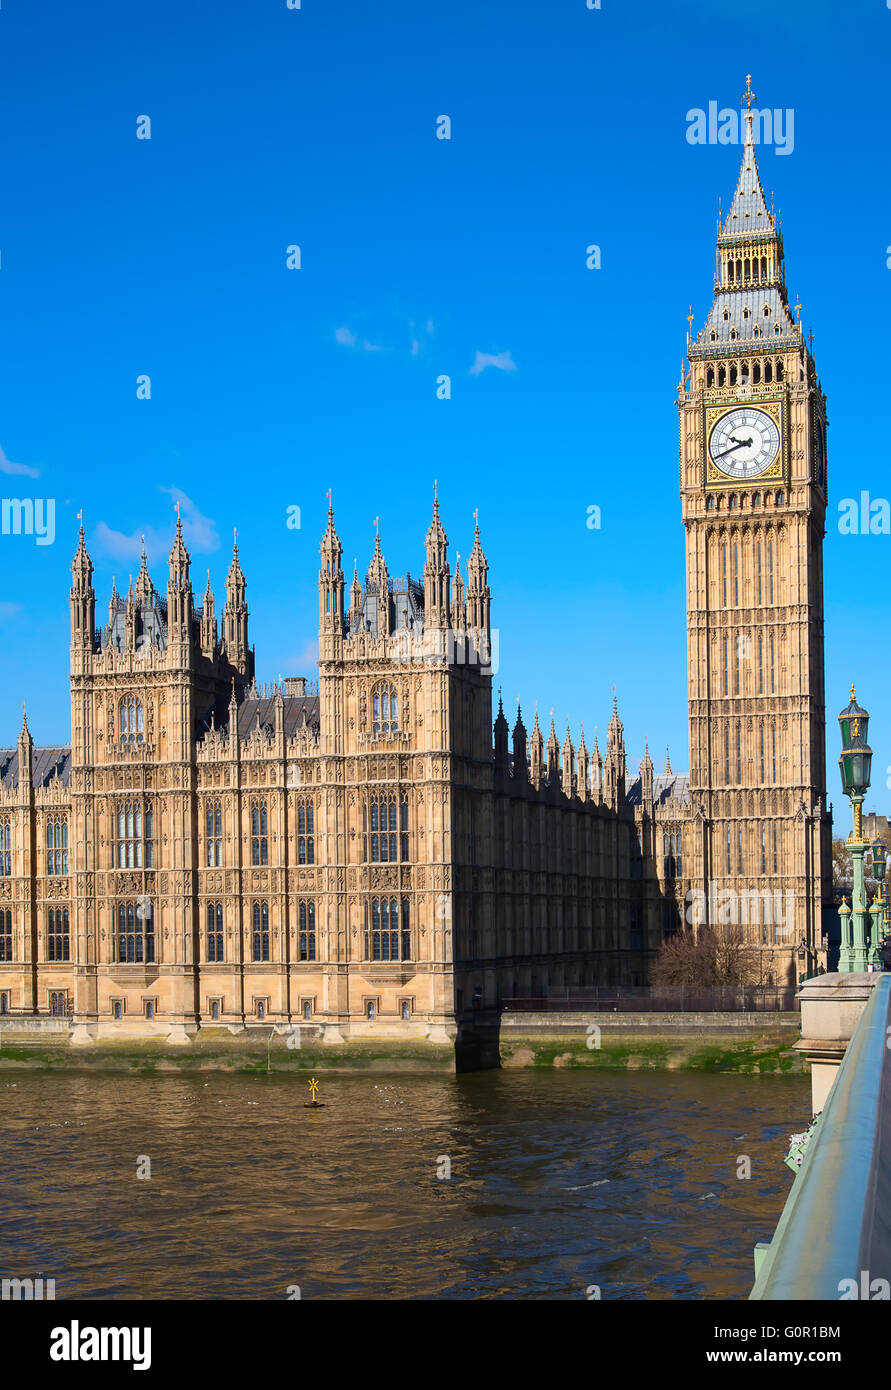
x=748, y=96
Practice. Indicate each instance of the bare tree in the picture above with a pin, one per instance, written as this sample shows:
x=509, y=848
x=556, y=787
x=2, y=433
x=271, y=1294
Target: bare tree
x=717, y=955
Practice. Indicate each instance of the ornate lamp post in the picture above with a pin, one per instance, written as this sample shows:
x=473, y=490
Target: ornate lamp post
x=855, y=765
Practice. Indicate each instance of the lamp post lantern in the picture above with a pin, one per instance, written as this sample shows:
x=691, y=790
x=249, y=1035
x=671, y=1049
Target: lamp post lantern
x=855, y=767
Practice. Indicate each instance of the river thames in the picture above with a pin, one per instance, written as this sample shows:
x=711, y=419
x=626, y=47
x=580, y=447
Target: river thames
x=560, y=1182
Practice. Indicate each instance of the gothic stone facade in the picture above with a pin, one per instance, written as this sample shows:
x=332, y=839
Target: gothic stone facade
x=369, y=858
x=358, y=860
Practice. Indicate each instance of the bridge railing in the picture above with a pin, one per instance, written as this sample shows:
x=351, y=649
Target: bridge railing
x=660, y=999
x=833, y=1240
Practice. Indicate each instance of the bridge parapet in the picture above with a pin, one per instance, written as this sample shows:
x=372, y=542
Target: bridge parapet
x=833, y=1240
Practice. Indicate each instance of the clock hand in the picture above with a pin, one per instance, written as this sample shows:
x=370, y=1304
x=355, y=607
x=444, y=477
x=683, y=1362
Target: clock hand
x=740, y=444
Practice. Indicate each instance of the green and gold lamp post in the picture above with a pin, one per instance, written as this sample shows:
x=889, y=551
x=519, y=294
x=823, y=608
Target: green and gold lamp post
x=855, y=765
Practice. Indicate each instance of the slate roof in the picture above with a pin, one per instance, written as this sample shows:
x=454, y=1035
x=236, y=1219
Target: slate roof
x=255, y=711
x=755, y=300
x=45, y=763
x=675, y=784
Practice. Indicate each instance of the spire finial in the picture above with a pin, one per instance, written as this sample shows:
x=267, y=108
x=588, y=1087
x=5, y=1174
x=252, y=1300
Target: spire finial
x=853, y=693
x=80, y=517
x=330, y=507
x=748, y=97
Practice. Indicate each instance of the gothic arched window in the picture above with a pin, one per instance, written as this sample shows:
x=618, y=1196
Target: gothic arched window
x=306, y=840
x=135, y=941
x=131, y=720
x=132, y=835
x=215, y=931
x=58, y=941
x=261, y=931
x=5, y=848
x=5, y=934
x=384, y=709
x=259, y=833
x=307, y=930
x=213, y=833
x=387, y=934
x=57, y=845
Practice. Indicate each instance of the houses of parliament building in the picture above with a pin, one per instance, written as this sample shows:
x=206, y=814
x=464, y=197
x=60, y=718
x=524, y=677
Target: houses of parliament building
x=381, y=854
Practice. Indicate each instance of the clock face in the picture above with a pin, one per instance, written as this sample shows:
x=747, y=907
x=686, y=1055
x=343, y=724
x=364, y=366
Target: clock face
x=744, y=442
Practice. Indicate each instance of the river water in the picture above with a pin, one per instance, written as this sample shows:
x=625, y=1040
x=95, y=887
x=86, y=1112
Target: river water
x=559, y=1182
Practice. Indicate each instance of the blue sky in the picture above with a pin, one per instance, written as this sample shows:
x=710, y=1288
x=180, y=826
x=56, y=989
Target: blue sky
x=420, y=257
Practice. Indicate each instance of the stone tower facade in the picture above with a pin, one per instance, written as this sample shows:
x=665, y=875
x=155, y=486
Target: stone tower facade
x=753, y=492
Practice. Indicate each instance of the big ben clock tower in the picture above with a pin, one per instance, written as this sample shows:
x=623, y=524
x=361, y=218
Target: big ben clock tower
x=753, y=492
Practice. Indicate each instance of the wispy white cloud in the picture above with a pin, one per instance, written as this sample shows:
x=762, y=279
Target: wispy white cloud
x=347, y=338
x=26, y=471
x=9, y=610
x=199, y=532
x=304, y=662
x=502, y=361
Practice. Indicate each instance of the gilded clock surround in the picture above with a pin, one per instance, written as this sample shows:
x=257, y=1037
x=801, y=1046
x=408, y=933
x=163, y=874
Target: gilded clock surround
x=772, y=405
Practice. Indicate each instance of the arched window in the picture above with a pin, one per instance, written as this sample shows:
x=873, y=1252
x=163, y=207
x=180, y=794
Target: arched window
x=261, y=931
x=380, y=829
x=57, y=845
x=5, y=848
x=776, y=330
x=756, y=373
x=710, y=376
x=710, y=503
x=726, y=315
x=306, y=840
x=768, y=371
x=734, y=501
x=756, y=499
x=779, y=370
x=5, y=934
x=722, y=376
x=213, y=833
x=132, y=835
x=780, y=498
x=384, y=709
x=385, y=934
x=135, y=941
x=58, y=943
x=763, y=267
x=131, y=720
x=259, y=833
x=307, y=930
x=215, y=931
x=746, y=311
